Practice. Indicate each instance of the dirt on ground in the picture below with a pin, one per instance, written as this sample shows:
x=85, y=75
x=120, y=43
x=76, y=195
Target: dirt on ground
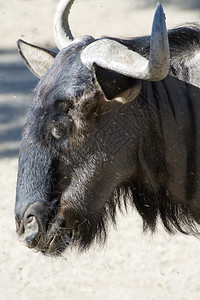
x=131, y=265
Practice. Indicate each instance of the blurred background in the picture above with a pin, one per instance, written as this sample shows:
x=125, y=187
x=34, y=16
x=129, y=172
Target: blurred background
x=131, y=266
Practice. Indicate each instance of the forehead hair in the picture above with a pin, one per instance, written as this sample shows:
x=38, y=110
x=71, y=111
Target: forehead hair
x=67, y=78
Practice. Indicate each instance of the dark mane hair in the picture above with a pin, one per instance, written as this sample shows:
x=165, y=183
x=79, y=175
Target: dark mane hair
x=152, y=207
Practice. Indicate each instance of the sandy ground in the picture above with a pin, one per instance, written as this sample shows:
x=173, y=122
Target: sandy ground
x=131, y=265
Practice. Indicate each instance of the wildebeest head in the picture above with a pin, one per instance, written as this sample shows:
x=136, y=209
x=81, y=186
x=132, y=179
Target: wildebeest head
x=73, y=161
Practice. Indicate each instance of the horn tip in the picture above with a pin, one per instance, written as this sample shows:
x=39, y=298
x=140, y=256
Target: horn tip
x=159, y=16
x=159, y=9
x=159, y=5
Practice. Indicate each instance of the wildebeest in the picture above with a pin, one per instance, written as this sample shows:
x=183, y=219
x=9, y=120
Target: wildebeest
x=113, y=122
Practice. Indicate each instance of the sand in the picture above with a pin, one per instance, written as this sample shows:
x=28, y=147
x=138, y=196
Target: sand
x=131, y=265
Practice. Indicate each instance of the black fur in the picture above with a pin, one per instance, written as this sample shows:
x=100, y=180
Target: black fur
x=144, y=153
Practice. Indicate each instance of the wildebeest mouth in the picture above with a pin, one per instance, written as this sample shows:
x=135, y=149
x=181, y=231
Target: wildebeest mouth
x=55, y=241
x=56, y=244
x=51, y=242
x=41, y=230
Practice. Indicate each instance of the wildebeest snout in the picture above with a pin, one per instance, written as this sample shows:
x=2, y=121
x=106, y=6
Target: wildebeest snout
x=28, y=231
x=33, y=222
x=28, y=227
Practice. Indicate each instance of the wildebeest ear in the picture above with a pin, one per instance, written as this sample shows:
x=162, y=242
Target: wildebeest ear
x=37, y=59
x=116, y=86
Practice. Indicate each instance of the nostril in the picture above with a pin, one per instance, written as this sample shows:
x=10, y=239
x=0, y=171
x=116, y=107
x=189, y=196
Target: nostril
x=28, y=230
x=30, y=219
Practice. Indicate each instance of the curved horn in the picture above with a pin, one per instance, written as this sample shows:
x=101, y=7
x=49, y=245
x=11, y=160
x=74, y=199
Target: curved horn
x=114, y=56
x=62, y=33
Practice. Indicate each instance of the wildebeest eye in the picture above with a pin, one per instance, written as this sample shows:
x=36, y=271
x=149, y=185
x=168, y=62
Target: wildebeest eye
x=57, y=132
x=60, y=130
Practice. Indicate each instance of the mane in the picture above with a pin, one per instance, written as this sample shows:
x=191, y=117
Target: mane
x=152, y=207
